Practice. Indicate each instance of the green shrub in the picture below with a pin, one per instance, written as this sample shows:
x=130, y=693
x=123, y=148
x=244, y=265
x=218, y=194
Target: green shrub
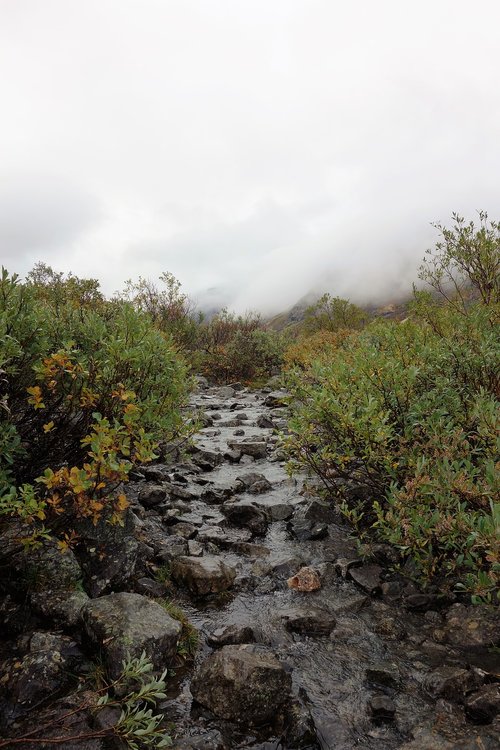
x=87, y=391
x=412, y=415
x=234, y=347
x=333, y=314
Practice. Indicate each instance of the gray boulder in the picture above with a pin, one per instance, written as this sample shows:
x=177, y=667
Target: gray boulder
x=312, y=621
x=245, y=684
x=254, y=448
x=44, y=672
x=152, y=495
x=123, y=625
x=247, y=515
x=203, y=575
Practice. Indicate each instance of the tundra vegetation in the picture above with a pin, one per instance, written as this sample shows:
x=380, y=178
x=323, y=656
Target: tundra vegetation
x=410, y=412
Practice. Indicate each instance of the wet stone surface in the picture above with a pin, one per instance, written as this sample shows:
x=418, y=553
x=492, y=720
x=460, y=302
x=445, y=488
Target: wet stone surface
x=354, y=656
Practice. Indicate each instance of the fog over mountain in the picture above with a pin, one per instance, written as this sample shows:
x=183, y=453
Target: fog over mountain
x=257, y=149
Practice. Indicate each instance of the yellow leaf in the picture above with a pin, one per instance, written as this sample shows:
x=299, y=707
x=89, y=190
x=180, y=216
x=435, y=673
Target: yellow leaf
x=48, y=427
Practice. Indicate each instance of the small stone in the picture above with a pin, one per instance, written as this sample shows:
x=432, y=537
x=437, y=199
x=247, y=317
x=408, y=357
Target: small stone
x=368, y=578
x=307, y=579
x=152, y=495
x=194, y=548
x=203, y=575
x=276, y=399
x=473, y=627
x=185, y=530
x=232, y=456
x=312, y=621
x=231, y=635
x=256, y=449
x=386, y=674
x=149, y=587
x=418, y=602
x=382, y=708
x=451, y=683
x=483, y=705
x=248, y=515
x=344, y=564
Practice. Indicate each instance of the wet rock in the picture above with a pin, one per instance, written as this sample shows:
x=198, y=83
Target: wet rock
x=152, y=495
x=194, y=548
x=368, y=578
x=254, y=483
x=305, y=530
x=311, y=621
x=451, y=682
x=150, y=587
x=185, y=530
x=265, y=423
x=392, y=589
x=226, y=392
x=299, y=727
x=276, y=399
x=231, y=635
x=390, y=627
x=204, y=420
x=171, y=548
x=247, y=460
x=183, y=493
x=224, y=538
x=249, y=549
x=42, y=569
x=382, y=708
x=209, y=740
x=384, y=673
x=279, y=511
x=127, y=624
x=203, y=575
x=483, y=705
x=320, y=512
x=113, y=566
x=62, y=608
x=247, y=515
x=171, y=516
x=245, y=684
x=44, y=672
x=383, y=554
x=473, y=627
x=232, y=456
x=156, y=473
x=283, y=565
x=307, y=579
x=205, y=458
x=254, y=448
x=217, y=492
x=237, y=433
x=418, y=602
x=344, y=564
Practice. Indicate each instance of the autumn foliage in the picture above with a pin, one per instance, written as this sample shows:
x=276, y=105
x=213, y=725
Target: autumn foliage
x=89, y=387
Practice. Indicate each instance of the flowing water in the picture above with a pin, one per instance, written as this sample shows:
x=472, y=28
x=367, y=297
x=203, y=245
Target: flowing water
x=328, y=672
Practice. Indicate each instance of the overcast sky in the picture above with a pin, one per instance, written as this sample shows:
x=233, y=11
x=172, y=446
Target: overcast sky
x=255, y=148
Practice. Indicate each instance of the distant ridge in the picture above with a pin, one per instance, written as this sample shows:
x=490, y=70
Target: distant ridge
x=293, y=317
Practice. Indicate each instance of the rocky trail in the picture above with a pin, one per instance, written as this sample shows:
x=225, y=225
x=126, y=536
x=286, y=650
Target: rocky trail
x=360, y=659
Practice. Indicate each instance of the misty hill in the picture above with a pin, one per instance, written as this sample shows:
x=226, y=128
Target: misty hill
x=394, y=309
